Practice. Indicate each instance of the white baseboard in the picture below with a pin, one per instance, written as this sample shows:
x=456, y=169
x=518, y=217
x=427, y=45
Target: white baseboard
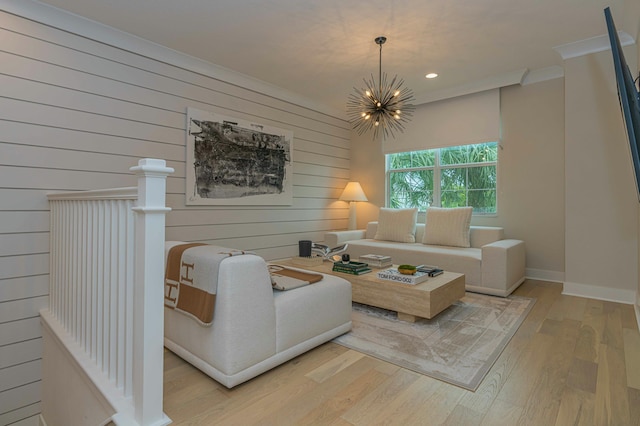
x=601, y=293
x=544, y=275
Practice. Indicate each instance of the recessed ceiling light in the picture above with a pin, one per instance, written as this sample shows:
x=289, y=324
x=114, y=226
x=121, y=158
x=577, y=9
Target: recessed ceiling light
x=431, y=75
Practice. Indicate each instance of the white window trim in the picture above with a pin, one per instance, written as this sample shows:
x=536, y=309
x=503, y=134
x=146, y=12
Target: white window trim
x=437, y=167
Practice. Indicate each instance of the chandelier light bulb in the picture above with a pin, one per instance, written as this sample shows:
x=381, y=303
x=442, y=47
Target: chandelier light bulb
x=379, y=103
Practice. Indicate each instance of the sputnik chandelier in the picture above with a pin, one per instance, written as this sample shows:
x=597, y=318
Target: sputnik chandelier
x=383, y=106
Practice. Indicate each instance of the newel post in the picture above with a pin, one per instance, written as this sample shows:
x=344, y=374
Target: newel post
x=148, y=294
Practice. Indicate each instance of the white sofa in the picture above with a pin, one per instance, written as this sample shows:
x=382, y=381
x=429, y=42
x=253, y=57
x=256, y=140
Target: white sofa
x=492, y=265
x=255, y=327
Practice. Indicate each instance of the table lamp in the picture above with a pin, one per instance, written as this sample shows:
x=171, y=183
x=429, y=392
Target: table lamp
x=353, y=193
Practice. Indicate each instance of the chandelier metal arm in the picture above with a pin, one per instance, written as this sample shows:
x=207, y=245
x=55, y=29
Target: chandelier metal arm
x=382, y=106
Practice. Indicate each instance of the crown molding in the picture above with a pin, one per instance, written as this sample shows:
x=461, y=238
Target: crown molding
x=543, y=74
x=495, y=82
x=591, y=45
x=87, y=28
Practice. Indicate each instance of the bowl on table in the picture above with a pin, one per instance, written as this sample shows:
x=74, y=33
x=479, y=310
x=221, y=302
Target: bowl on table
x=407, y=269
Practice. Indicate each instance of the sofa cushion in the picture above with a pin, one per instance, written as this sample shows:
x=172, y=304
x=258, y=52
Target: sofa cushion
x=397, y=225
x=448, y=226
x=307, y=312
x=466, y=261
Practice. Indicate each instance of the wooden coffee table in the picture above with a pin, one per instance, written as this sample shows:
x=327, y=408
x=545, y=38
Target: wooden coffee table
x=424, y=300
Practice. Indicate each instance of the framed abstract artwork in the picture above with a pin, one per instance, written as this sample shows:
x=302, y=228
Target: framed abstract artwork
x=231, y=161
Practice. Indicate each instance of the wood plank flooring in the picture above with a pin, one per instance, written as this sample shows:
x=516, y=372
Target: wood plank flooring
x=574, y=361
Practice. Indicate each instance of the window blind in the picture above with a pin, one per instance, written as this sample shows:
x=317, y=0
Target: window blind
x=468, y=119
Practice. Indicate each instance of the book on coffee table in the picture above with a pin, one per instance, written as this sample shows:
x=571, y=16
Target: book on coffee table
x=354, y=268
x=392, y=274
x=432, y=271
x=352, y=271
x=376, y=260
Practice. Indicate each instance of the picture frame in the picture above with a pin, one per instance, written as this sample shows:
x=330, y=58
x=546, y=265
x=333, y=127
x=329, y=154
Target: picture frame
x=231, y=161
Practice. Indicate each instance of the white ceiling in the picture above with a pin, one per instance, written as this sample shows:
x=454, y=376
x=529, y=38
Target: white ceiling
x=321, y=49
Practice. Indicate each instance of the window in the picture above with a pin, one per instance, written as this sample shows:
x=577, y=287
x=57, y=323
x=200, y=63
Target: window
x=455, y=176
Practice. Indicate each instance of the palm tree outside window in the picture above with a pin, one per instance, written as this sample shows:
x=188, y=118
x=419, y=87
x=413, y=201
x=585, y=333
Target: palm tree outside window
x=445, y=177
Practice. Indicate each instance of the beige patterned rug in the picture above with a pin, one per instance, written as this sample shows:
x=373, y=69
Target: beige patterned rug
x=458, y=346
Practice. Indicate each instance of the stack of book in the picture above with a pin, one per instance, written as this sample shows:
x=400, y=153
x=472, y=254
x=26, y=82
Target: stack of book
x=392, y=274
x=353, y=268
x=376, y=260
x=432, y=271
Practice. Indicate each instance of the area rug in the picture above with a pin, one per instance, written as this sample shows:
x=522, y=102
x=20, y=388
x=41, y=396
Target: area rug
x=458, y=346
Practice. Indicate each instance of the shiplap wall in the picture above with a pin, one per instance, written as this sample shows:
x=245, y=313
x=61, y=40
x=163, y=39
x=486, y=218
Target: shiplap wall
x=76, y=114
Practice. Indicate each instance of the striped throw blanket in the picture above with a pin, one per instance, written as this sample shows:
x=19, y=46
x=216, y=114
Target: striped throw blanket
x=191, y=278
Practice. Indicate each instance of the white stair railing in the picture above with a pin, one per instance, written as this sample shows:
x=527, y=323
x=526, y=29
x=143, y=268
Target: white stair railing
x=106, y=263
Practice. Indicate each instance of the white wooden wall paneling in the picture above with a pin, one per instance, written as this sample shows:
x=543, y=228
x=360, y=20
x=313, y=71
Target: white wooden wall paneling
x=23, y=287
x=23, y=199
x=99, y=50
x=17, y=155
x=275, y=253
x=318, y=170
x=176, y=202
x=61, y=179
x=267, y=242
x=323, y=181
x=58, y=89
x=20, y=343
x=186, y=217
x=18, y=353
x=300, y=193
x=325, y=160
x=13, y=397
x=224, y=102
x=16, y=221
x=50, y=115
x=43, y=157
x=13, y=417
x=67, y=100
x=15, y=244
x=256, y=230
x=71, y=180
x=22, y=308
x=22, y=266
x=20, y=331
x=330, y=194
x=82, y=141
x=11, y=377
x=323, y=148
x=49, y=160
x=254, y=242
x=253, y=217
x=43, y=93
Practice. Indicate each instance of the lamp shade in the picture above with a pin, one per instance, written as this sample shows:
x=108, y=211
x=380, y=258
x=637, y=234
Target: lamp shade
x=353, y=192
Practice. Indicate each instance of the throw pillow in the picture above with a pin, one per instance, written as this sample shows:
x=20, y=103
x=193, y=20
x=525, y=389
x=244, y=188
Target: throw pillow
x=397, y=225
x=448, y=227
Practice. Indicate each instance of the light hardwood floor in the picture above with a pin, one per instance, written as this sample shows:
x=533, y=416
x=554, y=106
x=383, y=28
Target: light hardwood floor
x=574, y=361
